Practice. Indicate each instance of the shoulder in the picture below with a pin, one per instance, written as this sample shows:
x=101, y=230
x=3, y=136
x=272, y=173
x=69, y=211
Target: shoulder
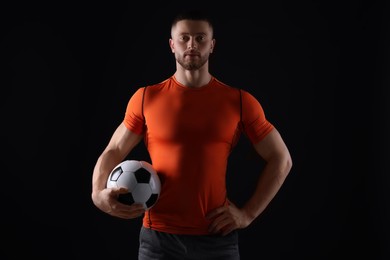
x=218, y=83
x=244, y=94
x=141, y=91
x=225, y=89
x=247, y=95
x=160, y=84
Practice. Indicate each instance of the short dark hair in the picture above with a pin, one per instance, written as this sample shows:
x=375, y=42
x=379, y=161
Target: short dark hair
x=195, y=15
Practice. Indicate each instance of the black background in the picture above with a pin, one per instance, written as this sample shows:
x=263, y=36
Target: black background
x=320, y=70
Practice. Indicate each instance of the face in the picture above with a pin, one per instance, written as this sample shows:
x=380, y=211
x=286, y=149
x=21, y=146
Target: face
x=192, y=42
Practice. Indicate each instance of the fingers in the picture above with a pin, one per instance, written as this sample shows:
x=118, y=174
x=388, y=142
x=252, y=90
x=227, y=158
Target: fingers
x=128, y=212
x=223, y=221
x=122, y=210
x=216, y=212
x=222, y=224
x=117, y=191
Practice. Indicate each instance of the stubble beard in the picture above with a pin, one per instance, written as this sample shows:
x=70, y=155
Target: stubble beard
x=192, y=64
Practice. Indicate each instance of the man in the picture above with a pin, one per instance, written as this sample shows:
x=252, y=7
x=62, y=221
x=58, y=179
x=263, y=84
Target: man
x=190, y=122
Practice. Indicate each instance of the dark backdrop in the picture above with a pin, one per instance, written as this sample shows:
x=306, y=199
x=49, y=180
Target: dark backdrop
x=320, y=70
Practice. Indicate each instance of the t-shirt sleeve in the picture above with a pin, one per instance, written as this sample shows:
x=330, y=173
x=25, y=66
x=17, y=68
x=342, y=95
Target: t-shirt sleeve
x=134, y=119
x=256, y=125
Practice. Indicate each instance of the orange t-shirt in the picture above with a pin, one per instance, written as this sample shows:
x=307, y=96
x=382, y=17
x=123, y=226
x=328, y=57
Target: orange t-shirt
x=189, y=134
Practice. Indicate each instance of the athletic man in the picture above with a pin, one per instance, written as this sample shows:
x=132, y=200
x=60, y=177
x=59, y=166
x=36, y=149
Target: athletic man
x=190, y=123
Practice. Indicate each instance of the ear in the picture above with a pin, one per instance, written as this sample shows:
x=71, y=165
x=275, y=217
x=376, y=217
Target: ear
x=171, y=45
x=212, y=46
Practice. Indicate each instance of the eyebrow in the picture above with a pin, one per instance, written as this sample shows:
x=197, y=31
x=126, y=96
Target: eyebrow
x=197, y=34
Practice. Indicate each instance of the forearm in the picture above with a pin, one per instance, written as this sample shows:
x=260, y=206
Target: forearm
x=105, y=163
x=270, y=181
x=120, y=145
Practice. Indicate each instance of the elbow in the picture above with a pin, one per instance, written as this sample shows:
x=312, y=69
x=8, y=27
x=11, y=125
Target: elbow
x=287, y=165
x=283, y=164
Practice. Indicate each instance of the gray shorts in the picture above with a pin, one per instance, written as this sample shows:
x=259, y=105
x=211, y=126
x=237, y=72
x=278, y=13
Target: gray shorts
x=154, y=245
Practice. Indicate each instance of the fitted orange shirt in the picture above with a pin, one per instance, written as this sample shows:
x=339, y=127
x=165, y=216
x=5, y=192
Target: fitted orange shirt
x=189, y=134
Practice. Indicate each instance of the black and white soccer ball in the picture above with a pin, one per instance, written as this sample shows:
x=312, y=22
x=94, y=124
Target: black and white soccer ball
x=141, y=180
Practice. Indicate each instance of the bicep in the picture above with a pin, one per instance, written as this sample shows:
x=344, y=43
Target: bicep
x=123, y=140
x=272, y=146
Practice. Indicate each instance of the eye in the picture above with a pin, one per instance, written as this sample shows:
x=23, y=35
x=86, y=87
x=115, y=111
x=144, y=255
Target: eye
x=184, y=38
x=200, y=38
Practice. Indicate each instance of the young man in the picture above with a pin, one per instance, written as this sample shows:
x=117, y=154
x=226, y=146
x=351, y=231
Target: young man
x=190, y=122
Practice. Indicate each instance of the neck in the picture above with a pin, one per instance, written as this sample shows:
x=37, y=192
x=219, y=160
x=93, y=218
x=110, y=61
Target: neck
x=193, y=78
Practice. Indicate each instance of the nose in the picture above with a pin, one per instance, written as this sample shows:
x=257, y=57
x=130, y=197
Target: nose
x=192, y=45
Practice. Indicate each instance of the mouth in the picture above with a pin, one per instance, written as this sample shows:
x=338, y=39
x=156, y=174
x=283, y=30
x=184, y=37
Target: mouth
x=191, y=54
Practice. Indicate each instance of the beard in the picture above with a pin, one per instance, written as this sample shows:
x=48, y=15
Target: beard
x=191, y=64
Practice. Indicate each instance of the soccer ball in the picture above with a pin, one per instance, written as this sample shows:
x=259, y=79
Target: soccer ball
x=141, y=180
